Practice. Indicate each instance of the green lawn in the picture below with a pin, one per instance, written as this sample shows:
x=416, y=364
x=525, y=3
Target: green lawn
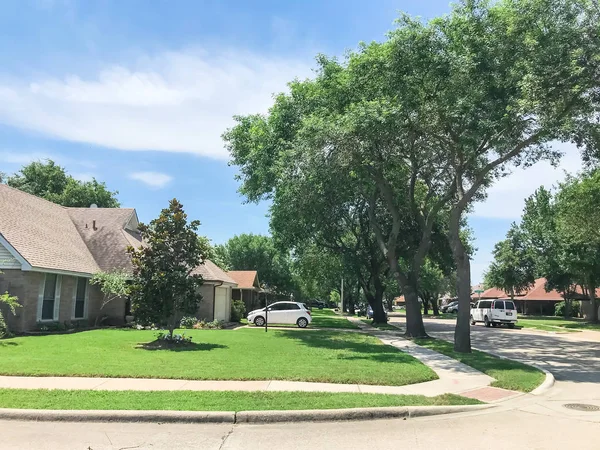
x=244, y=354
x=327, y=318
x=556, y=324
x=381, y=326
x=508, y=374
x=211, y=400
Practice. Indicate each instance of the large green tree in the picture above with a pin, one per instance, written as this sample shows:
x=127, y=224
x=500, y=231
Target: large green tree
x=576, y=203
x=258, y=252
x=51, y=182
x=164, y=286
x=513, y=268
x=494, y=83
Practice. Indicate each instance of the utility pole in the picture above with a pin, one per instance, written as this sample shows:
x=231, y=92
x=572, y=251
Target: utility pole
x=342, y=296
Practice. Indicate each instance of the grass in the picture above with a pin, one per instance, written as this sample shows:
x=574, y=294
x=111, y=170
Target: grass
x=556, y=324
x=509, y=374
x=381, y=326
x=211, y=400
x=327, y=318
x=244, y=354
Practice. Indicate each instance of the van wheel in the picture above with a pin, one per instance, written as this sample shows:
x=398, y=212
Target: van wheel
x=472, y=321
x=511, y=325
x=486, y=321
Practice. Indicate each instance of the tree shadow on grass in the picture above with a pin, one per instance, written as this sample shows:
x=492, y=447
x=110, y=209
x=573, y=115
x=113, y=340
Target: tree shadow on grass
x=359, y=350
x=8, y=344
x=191, y=347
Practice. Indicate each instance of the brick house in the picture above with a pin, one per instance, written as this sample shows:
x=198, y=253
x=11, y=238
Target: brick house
x=248, y=288
x=48, y=253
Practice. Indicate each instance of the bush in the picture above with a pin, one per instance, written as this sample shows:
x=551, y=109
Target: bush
x=559, y=309
x=188, y=322
x=4, y=332
x=203, y=325
x=175, y=339
x=238, y=311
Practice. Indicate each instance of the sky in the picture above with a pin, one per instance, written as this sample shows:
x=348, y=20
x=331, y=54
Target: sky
x=137, y=94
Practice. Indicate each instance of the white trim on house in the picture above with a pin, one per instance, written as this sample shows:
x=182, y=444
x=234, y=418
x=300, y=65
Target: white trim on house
x=15, y=254
x=60, y=272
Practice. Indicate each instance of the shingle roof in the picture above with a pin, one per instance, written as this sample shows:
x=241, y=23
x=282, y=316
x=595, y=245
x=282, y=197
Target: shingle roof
x=109, y=241
x=43, y=233
x=211, y=272
x=538, y=292
x=245, y=279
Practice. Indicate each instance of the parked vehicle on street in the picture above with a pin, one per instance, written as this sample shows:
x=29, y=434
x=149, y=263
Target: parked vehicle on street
x=451, y=305
x=494, y=313
x=370, y=313
x=281, y=312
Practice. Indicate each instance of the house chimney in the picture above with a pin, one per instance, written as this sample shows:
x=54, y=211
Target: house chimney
x=94, y=225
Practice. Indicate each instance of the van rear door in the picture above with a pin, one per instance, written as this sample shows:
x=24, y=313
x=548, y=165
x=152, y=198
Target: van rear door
x=510, y=310
x=498, y=312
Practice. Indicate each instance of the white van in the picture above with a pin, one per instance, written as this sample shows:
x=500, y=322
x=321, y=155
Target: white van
x=494, y=313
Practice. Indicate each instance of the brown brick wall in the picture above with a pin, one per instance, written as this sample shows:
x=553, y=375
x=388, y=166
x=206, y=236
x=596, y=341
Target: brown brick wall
x=26, y=286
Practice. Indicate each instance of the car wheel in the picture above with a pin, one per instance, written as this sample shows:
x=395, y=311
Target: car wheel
x=472, y=321
x=302, y=322
x=259, y=321
x=486, y=321
x=511, y=325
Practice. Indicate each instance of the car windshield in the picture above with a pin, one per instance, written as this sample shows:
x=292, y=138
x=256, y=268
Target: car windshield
x=509, y=305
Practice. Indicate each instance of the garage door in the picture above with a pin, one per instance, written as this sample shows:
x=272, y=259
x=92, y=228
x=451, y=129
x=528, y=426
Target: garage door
x=222, y=309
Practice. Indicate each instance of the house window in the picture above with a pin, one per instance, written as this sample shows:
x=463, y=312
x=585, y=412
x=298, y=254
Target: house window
x=80, y=295
x=49, y=298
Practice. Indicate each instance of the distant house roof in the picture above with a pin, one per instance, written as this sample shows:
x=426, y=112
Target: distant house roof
x=115, y=230
x=245, y=279
x=211, y=272
x=538, y=292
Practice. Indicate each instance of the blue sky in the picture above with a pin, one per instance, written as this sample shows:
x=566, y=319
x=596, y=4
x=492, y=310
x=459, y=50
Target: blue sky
x=137, y=93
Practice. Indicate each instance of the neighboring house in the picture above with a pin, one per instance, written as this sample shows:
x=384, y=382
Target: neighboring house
x=248, y=288
x=48, y=254
x=216, y=292
x=536, y=300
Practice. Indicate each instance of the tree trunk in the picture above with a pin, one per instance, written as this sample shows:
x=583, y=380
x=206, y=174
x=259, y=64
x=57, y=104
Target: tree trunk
x=171, y=325
x=389, y=302
x=435, y=306
x=414, y=320
x=351, y=306
x=592, y=295
x=462, y=332
x=425, y=300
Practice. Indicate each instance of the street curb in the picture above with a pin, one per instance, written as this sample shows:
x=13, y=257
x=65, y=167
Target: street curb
x=125, y=416
x=319, y=415
x=546, y=385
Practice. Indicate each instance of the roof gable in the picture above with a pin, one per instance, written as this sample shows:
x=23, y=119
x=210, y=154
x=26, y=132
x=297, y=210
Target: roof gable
x=211, y=272
x=245, y=279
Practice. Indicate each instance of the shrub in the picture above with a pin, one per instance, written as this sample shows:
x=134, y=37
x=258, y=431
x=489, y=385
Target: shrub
x=4, y=331
x=238, y=310
x=559, y=309
x=204, y=325
x=179, y=339
x=188, y=322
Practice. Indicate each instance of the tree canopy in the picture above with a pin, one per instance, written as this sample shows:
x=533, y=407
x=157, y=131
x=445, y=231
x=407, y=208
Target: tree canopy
x=51, y=182
x=420, y=125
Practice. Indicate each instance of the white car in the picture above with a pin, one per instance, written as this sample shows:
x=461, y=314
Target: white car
x=281, y=312
x=494, y=313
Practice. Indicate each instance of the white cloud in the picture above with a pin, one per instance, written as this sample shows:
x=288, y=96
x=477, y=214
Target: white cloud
x=153, y=179
x=506, y=198
x=176, y=101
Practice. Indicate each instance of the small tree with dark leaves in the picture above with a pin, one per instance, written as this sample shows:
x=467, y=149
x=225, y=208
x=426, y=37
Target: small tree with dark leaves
x=164, y=288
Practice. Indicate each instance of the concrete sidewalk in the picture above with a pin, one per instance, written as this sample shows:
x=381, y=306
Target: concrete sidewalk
x=454, y=376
